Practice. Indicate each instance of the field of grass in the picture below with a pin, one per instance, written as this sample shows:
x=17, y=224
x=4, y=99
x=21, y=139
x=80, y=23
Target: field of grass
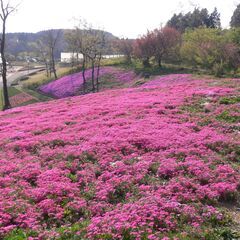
x=154, y=69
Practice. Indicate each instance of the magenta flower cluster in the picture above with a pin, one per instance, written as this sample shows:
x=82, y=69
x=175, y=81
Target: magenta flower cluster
x=70, y=85
x=123, y=163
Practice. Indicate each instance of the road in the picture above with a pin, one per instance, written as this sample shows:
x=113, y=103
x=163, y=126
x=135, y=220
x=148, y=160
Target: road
x=14, y=74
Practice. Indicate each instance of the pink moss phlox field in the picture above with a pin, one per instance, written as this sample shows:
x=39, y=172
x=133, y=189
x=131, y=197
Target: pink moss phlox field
x=71, y=84
x=131, y=162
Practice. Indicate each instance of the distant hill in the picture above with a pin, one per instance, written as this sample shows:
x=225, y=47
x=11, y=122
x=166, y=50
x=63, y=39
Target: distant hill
x=24, y=44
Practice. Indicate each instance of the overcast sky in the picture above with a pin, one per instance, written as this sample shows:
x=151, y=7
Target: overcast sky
x=123, y=18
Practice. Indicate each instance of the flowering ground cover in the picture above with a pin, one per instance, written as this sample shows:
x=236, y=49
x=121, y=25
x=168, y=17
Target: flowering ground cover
x=153, y=162
x=21, y=98
x=71, y=85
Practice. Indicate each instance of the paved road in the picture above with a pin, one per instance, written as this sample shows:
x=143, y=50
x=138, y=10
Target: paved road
x=15, y=74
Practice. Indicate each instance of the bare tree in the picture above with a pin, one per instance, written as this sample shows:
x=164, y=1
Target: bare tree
x=94, y=47
x=51, y=39
x=44, y=56
x=125, y=47
x=72, y=43
x=91, y=44
x=5, y=10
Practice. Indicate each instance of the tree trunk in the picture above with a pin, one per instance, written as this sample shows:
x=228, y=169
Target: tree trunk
x=93, y=80
x=128, y=59
x=77, y=60
x=83, y=74
x=146, y=62
x=98, y=71
x=159, y=62
x=7, y=104
x=53, y=64
x=73, y=59
x=47, y=70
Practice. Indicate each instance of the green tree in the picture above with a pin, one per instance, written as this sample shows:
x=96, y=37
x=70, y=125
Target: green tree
x=234, y=35
x=177, y=22
x=212, y=49
x=214, y=20
x=233, y=48
x=235, y=20
x=197, y=18
x=201, y=47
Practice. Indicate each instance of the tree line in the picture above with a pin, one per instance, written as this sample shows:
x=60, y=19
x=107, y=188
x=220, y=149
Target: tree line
x=195, y=39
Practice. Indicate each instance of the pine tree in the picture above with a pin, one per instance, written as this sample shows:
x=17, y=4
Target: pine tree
x=235, y=20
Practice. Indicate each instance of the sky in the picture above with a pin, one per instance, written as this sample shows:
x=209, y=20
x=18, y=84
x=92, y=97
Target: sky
x=123, y=18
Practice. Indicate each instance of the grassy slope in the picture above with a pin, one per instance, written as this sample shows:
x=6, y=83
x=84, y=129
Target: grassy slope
x=40, y=78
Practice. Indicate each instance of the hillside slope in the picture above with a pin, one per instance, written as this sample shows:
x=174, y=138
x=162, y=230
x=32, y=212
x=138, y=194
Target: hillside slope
x=153, y=162
x=72, y=85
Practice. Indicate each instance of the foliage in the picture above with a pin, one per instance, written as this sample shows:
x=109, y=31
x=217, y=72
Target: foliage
x=199, y=46
x=144, y=48
x=230, y=100
x=166, y=42
x=235, y=20
x=197, y=18
x=159, y=43
x=210, y=49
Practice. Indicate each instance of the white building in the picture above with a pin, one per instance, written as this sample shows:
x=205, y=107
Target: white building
x=67, y=57
x=112, y=56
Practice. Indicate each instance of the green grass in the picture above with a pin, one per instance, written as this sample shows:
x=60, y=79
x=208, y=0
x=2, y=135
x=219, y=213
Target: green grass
x=35, y=94
x=227, y=117
x=230, y=100
x=166, y=68
x=36, y=80
x=154, y=69
x=19, y=234
x=12, y=91
x=28, y=102
x=105, y=82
